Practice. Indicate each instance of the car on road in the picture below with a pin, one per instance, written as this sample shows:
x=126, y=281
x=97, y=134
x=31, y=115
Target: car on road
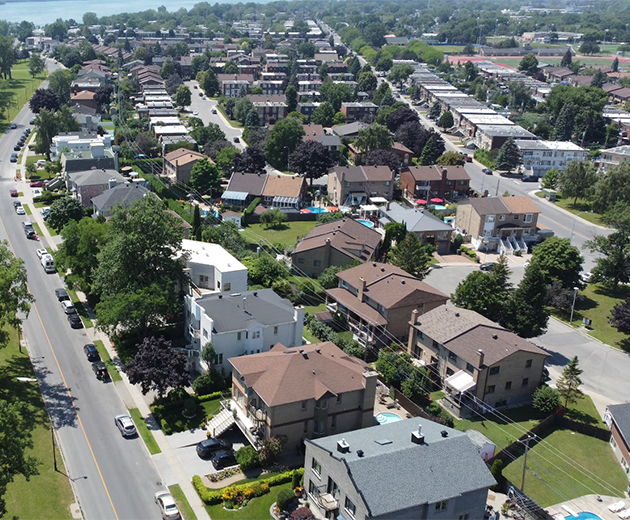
x=32, y=121
x=487, y=171
x=91, y=352
x=13, y=126
x=223, y=459
x=468, y=158
x=236, y=140
x=41, y=252
x=100, y=369
x=61, y=294
x=166, y=503
x=14, y=193
x=214, y=110
x=17, y=148
x=487, y=267
x=68, y=307
x=586, y=276
x=75, y=321
x=20, y=210
x=211, y=445
x=125, y=425
x=16, y=203
x=14, y=158
x=200, y=94
x=195, y=112
x=37, y=184
x=195, y=86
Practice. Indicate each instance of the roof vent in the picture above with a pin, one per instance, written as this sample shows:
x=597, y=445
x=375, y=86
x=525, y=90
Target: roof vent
x=417, y=437
x=318, y=350
x=220, y=296
x=374, y=264
x=457, y=314
x=343, y=446
x=382, y=269
x=255, y=293
x=494, y=336
x=444, y=433
x=402, y=282
x=359, y=453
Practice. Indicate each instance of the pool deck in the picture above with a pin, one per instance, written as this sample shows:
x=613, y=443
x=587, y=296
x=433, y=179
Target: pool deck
x=590, y=504
x=381, y=406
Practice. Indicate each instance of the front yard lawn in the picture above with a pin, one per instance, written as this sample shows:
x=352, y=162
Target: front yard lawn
x=286, y=234
x=143, y=431
x=178, y=423
x=182, y=502
x=256, y=509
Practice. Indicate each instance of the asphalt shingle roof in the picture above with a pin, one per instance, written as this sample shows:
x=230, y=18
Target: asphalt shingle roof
x=621, y=416
x=417, y=220
x=123, y=194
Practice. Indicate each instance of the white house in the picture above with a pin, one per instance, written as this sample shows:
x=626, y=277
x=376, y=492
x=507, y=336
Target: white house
x=241, y=323
x=540, y=156
x=212, y=269
x=81, y=142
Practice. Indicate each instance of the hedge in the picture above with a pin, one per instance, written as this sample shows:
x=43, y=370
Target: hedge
x=157, y=409
x=214, y=496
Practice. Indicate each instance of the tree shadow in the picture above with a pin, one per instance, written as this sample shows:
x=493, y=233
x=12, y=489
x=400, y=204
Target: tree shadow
x=61, y=406
x=579, y=416
x=279, y=227
x=622, y=291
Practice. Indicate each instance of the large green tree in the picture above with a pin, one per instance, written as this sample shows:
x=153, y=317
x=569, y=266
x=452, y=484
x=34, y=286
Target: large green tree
x=60, y=82
x=509, y=156
x=410, y=256
x=285, y=137
x=529, y=63
x=577, y=179
x=323, y=115
x=559, y=261
x=183, y=96
x=611, y=188
x=205, y=176
x=446, y=120
x=526, y=312
x=311, y=160
x=400, y=73
x=7, y=55
x=36, y=64
x=63, y=211
x=374, y=137
x=15, y=298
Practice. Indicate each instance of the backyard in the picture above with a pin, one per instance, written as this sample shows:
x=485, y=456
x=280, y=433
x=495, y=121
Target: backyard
x=47, y=495
x=286, y=234
x=256, y=509
x=17, y=91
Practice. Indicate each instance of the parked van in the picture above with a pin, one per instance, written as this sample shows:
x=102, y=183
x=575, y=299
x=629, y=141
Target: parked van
x=48, y=263
x=29, y=231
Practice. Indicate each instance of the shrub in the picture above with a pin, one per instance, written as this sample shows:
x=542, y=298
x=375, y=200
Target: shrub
x=284, y=498
x=165, y=427
x=208, y=383
x=209, y=397
x=230, y=493
x=546, y=399
x=247, y=457
x=302, y=513
x=190, y=407
x=497, y=473
x=448, y=420
x=295, y=481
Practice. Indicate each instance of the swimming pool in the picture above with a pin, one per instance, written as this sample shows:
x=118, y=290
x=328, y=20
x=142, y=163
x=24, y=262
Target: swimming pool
x=584, y=515
x=386, y=418
x=366, y=223
x=317, y=210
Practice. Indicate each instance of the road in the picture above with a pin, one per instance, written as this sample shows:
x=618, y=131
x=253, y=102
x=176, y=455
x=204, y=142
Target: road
x=113, y=477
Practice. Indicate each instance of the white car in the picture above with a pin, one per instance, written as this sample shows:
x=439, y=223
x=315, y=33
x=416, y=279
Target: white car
x=37, y=192
x=167, y=505
x=195, y=112
x=20, y=210
x=586, y=277
x=68, y=307
x=41, y=252
x=125, y=425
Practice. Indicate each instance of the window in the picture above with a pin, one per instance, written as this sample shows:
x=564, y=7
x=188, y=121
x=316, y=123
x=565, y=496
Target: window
x=516, y=217
x=317, y=263
x=275, y=330
x=441, y=506
x=316, y=466
x=256, y=334
x=420, y=335
x=238, y=336
x=528, y=217
x=300, y=260
x=344, y=284
x=436, y=344
x=322, y=404
x=312, y=488
x=470, y=368
x=508, y=385
x=306, y=426
x=205, y=333
x=452, y=356
x=303, y=405
x=490, y=389
x=525, y=381
x=489, y=219
x=528, y=363
x=218, y=359
x=350, y=507
x=417, y=351
x=333, y=422
x=494, y=371
x=227, y=286
x=449, y=372
x=501, y=218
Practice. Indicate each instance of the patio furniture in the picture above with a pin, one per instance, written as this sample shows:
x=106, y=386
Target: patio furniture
x=617, y=506
x=624, y=515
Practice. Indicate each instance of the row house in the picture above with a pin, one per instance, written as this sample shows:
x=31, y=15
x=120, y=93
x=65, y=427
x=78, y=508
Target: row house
x=428, y=182
x=354, y=185
x=272, y=87
x=270, y=108
x=353, y=111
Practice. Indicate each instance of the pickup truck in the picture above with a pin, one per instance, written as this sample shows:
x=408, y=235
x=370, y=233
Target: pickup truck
x=29, y=230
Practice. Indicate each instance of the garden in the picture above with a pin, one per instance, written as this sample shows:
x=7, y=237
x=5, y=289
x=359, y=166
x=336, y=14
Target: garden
x=179, y=411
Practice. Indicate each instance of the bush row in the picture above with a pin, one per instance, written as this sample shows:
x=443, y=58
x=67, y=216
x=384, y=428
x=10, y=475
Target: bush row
x=161, y=408
x=215, y=496
x=324, y=333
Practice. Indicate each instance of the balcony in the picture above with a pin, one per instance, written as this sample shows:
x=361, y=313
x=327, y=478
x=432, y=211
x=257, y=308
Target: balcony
x=324, y=500
x=194, y=332
x=252, y=431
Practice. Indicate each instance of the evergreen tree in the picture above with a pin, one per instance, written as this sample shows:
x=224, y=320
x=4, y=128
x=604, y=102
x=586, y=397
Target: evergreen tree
x=252, y=119
x=565, y=123
x=598, y=79
x=509, y=156
x=411, y=257
x=566, y=59
x=430, y=153
x=446, y=120
x=435, y=110
x=196, y=225
x=569, y=383
x=292, y=99
x=615, y=65
x=526, y=313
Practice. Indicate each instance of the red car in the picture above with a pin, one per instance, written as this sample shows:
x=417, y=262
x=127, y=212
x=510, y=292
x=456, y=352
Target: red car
x=14, y=193
x=37, y=184
x=468, y=158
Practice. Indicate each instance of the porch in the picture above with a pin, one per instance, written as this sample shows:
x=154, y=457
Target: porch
x=249, y=421
x=362, y=330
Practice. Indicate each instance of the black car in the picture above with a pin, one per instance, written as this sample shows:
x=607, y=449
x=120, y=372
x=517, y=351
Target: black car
x=100, y=370
x=13, y=126
x=16, y=203
x=17, y=147
x=14, y=158
x=211, y=445
x=487, y=267
x=61, y=294
x=31, y=122
x=223, y=459
x=91, y=352
x=236, y=140
x=75, y=321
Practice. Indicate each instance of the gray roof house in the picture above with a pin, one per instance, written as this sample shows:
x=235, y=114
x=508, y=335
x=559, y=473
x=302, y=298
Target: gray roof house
x=617, y=418
x=349, y=130
x=88, y=184
x=407, y=469
x=123, y=194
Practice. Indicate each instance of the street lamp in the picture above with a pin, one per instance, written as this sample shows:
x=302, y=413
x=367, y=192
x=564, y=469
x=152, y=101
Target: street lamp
x=575, y=291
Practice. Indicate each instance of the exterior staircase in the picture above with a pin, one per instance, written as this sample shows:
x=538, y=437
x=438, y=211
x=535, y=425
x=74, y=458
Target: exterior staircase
x=220, y=423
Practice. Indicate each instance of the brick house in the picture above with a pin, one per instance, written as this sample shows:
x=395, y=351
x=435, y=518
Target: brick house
x=88, y=184
x=179, y=163
x=427, y=182
x=270, y=108
x=84, y=98
x=476, y=359
x=353, y=111
x=354, y=185
x=617, y=418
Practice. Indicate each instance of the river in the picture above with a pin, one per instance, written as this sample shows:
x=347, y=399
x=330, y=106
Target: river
x=41, y=13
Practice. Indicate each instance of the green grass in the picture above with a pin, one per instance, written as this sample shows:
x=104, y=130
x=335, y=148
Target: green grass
x=87, y=322
x=581, y=208
x=561, y=480
x=111, y=366
x=51, y=230
x=41, y=204
x=182, y=502
x=259, y=477
x=233, y=124
x=179, y=423
x=37, y=229
x=450, y=48
x=257, y=509
x=47, y=495
x=17, y=91
x=314, y=309
x=27, y=209
x=286, y=234
x=144, y=432
x=555, y=61
x=32, y=159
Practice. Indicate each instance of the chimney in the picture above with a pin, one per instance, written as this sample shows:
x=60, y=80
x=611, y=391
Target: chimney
x=387, y=206
x=343, y=446
x=244, y=308
x=361, y=289
x=417, y=437
x=480, y=358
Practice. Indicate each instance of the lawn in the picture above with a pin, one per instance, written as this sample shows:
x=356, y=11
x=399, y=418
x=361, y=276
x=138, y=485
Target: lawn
x=27, y=209
x=47, y=495
x=182, y=502
x=232, y=123
x=32, y=159
x=314, y=309
x=78, y=304
x=513, y=62
x=17, y=91
x=179, y=423
x=257, y=509
x=450, y=48
x=551, y=479
x=286, y=234
x=106, y=358
x=144, y=432
x=581, y=208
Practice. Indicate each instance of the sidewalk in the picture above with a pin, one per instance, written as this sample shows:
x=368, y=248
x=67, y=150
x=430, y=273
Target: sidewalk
x=533, y=195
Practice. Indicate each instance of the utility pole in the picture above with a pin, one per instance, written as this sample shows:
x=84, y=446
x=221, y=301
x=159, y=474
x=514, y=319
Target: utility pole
x=52, y=434
x=526, y=441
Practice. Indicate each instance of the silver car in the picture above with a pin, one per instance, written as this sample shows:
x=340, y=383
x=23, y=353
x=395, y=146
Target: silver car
x=167, y=505
x=125, y=425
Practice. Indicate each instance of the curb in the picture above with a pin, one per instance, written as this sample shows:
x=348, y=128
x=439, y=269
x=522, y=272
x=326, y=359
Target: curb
x=533, y=195
x=586, y=335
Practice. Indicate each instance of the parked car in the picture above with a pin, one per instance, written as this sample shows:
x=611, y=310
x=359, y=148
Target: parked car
x=41, y=252
x=13, y=126
x=195, y=112
x=125, y=425
x=487, y=171
x=20, y=210
x=91, y=352
x=200, y=94
x=37, y=192
x=236, y=140
x=586, y=277
x=61, y=294
x=17, y=148
x=487, y=267
x=99, y=368
x=14, y=158
x=14, y=193
x=37, y=184
x=468, y=158
x=209, y=446
x=214, y=110
x=16, y=203
x=166, y=503
x=68, y=307
x=45, y=213
x=140, y=156
x=75, y=321
x=223, y=459
x=32, y=121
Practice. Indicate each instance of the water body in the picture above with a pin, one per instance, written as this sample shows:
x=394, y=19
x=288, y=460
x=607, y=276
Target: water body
x=41, y=13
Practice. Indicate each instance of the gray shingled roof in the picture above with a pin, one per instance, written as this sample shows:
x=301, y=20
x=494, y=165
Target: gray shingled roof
x=621, y=416
x=96, y=177
x=263, y=306
x=399, y=475
x=124, y=194
x=417, y=220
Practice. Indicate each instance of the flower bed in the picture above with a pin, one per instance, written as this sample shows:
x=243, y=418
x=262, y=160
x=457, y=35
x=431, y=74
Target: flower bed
x=222, y=475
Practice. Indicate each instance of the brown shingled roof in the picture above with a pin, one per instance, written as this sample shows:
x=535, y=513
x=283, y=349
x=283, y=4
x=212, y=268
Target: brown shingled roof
x=520, y=204
x=283, y=186
x=184, y=156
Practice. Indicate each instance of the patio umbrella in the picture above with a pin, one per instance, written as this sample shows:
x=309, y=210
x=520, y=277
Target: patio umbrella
x=305, y=210
x=421, y=201
x=437, y=201
x=332, y=208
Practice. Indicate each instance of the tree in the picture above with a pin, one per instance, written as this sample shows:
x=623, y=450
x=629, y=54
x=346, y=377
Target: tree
x=385, y=158
x=209, y=354
x=46, y=128
x=559, y=261
x=205, y=176
x=252, y=119
x=36, y=64
x=620, y=316
x=430, y=152
x=103, y=94
x=168, y=69
x=546, y=399
x=435, y=110
x=569, y=383
x=374, y=137
x=565, y=123
x=589, y=48
x=529, y=64
x=384, y=64
x=336, y=93
x=208, y=82
x=147, y=144
x=446, y=120
x=291, y=98
x=323, y=115
x=615, y=65
x=400, y=73
x=183, y=96
x=399, y=117
x=311, y=160
x=598, y=80
x=208, y=134
x=566, y=59
x=273, y=218
x=285, y=137
x=44, y=98
x=7, y=56
x=367, y=81
x=468, y=50
x=230, y=67
x=225, y=159
x=196, y=225
x=63, y=211
x=242, y=107
x=550, y=179
x=485, y=293
x=252, y=160
x=410, y=256
x=375, y=33
x=264, y=270
x=525, y=311
x=577, y=179
x=611, y=188
x=157, y=366
x=60, y=82
x=451, y=159
x=509, y=156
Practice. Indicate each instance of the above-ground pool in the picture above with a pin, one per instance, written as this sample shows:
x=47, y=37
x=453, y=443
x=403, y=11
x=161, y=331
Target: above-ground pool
x=584, y=515
x=438, y=207
x=366, y=223
x=386, y=418
x=317, y=210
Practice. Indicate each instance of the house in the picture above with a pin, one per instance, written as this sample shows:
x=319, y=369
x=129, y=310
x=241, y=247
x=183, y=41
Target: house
x=121, y=195
x=233, y=84
x=303, y=393
x=377, y=300
x=284, y=191
x=351, y=130
x=414, y=469
x=353, y=185
x=477, y=360
x=501, y=224
x=428, y=182
x=617, y=418
x=85, y=98
x=88, y=184
x=243, y=188
x=317, y=133
x=404, y=153
x=239, y=323
x=97, y=156
x=422, y=223
x=615, y=156
x=179, y=163
x=337, y=243
x=493, y=137
x=354, y=111
x=540, y=156
x=270, y=108
x=232, y=216
x=557, y=73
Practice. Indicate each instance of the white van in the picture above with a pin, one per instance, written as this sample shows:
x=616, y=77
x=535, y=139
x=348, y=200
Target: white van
x=48, y=263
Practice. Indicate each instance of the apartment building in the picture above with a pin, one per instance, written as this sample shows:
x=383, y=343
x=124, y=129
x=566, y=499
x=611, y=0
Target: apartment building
x=428, y=182
x=365, y=111
x=540, y=156
x=354, y=185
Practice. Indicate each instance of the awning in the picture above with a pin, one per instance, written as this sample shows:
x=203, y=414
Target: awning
x=378, y=200
x=234, y=195
x=368, y=207
x=286, y=200
x=460, y=381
